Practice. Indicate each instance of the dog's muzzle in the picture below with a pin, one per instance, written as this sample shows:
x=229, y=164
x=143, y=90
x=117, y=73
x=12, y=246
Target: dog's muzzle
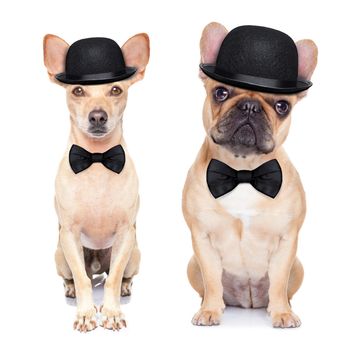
x=244, y=129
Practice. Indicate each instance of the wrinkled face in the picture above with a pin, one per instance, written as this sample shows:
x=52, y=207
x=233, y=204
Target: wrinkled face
x=97, y=109
x=246, y=122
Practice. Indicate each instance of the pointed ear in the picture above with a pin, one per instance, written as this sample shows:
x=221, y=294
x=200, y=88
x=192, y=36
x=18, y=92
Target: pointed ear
x=307, y=55
x=55, y=51
x=212, y=37
x=136, y=54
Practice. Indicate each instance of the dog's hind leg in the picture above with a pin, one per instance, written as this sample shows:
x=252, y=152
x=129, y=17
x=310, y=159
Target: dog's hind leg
x=195, y=276
x=132, y=268
x=295, y=278
x=64, y=271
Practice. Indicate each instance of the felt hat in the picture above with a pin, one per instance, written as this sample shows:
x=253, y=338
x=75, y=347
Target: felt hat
x=94, y=61
x=258, y=58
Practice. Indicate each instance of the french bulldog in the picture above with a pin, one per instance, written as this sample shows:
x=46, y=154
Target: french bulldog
x=245, y=242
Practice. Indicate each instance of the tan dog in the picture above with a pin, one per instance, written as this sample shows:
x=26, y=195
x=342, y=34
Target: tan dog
x=245, y=242
x=97, y=208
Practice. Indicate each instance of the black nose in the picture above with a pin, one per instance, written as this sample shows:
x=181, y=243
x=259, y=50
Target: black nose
x=249, y=106
x=98, y=117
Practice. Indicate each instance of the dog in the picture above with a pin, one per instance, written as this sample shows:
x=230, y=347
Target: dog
x=97, y=207
x=245, y=242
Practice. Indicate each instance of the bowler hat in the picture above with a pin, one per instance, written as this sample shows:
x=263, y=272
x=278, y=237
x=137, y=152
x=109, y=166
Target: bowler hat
x=258, y=58
x=94, y=61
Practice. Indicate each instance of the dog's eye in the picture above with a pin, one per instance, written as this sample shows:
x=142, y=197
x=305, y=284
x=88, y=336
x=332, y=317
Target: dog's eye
x=282, y=107
x=78, y=91
x=221, y=94
x=116, y=90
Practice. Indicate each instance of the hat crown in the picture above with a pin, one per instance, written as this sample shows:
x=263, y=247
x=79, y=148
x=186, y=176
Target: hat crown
x=94, y=56
x=260, y=52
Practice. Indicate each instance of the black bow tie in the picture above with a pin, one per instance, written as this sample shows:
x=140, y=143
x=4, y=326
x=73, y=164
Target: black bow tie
x=113, y=159
x=221, y=178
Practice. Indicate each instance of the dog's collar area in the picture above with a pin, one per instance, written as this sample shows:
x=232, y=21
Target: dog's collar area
x=80, y=159
x=244, y=176
x=96, y=157
x=221, y=178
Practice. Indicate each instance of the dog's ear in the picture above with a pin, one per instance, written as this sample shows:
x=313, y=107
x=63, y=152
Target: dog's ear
x=55, y=51
x=307, y=56
x=136, y=54
x=212, y=36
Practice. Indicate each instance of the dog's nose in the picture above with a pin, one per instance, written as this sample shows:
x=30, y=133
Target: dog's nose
x=249, y=106
x=98, y=117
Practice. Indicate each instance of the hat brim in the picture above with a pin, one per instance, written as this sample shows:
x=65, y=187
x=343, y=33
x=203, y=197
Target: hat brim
x=255, y=83
x=94, y=79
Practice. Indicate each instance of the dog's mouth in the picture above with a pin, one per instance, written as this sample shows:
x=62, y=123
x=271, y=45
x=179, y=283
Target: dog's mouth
x=98, y=132
x=245, y=136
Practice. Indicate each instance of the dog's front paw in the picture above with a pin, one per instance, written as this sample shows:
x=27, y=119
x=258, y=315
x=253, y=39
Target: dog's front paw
x=207, y=317
x=86, y=320
x=285, y=320
x=112, y=318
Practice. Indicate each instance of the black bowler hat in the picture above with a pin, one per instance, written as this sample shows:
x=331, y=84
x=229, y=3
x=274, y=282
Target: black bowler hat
x=258, y=58
x=94, y=61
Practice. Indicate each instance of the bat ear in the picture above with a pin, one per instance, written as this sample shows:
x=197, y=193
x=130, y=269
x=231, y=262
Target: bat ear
x=307, y=56
x=55, y=51
x=136, y=53
x=212, y=37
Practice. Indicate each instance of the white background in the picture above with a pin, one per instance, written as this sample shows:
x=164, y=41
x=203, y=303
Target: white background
x=163, y=130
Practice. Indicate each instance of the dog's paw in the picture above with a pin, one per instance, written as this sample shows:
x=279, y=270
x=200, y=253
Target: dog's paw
x=112, y=319
x=285, y=320
x=86, y=320
x=69, y=290
x=126, y=287
x=205, y=317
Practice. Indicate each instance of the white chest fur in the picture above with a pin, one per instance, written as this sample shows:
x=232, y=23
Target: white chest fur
x=242, y=202
x=247, y=256
x=255, y=211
